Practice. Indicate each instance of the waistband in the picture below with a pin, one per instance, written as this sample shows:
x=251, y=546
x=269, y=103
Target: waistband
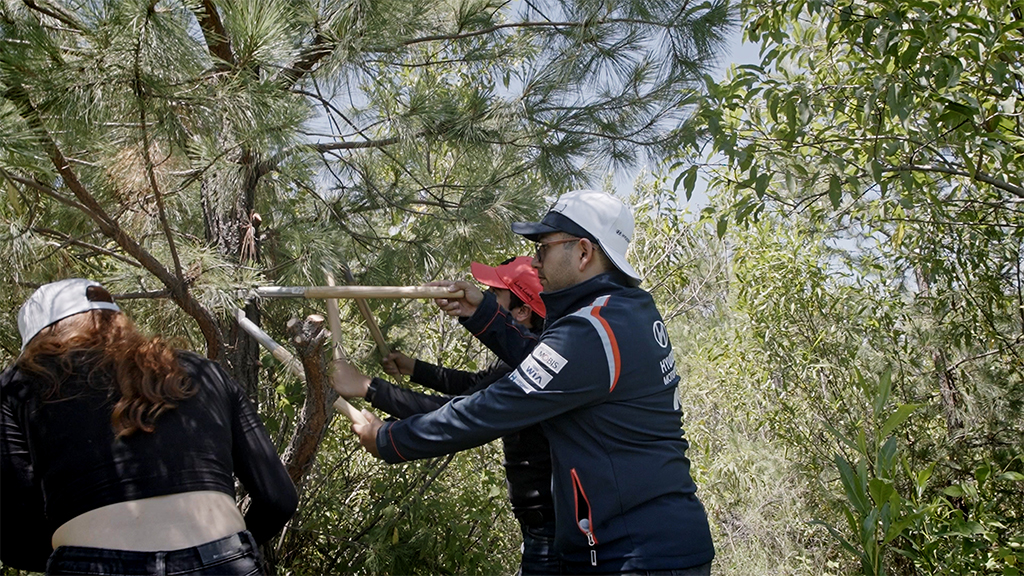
x=143, y=562
x=213, y=551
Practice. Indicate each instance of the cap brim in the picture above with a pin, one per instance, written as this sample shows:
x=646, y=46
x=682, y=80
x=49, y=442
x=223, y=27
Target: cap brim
x=487, y=275
x=533, y=230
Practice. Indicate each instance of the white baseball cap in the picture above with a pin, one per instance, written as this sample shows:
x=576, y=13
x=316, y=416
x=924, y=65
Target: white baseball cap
x=597, y=216
x=56, y=301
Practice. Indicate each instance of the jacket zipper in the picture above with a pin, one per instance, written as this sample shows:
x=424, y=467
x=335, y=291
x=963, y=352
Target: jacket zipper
x=584, y=517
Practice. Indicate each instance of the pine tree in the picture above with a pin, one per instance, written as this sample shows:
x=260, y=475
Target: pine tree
x=185, y=152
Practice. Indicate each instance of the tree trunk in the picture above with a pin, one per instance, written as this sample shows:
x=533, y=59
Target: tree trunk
x=232, y=225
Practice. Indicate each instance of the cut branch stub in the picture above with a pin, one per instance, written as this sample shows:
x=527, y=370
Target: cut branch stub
x=307, y=333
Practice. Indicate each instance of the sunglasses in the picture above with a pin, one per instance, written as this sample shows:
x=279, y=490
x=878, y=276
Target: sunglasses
x=542, y=247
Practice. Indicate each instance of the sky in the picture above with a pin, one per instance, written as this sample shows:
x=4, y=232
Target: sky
x=737, y=53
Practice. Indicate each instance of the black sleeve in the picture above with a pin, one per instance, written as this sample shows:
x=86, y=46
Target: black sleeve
x=495, y=328
x=402, y=402
x=259, y=468
x=447, y=380
x=26, y=533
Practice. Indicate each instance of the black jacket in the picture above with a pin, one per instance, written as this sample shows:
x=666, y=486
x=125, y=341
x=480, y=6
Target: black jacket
x=60, y=457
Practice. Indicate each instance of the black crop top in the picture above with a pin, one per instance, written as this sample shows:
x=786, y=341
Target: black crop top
x=60, y=458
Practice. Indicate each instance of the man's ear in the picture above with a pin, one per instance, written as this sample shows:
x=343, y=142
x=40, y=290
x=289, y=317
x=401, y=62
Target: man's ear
x=522, y=314
x=588, y=253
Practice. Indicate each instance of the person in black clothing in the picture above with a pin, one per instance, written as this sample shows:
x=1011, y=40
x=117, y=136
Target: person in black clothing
x=120, y=453
x=527, y=459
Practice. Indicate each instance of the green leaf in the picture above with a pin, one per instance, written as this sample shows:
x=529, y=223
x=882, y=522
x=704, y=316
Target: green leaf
x=886, y=458
x=923, y=476
x=856, y=492
x=690, y=181
x=841, y=437
x=839, y=538
x=899, y=417
x=884, y=389
x=835, y=190
x=880, y=490
x=876, y=171
x=862, y=441
x=898, y=528
x=761, y=185
x=723, y=224
x=961, y=109
x=982, y=472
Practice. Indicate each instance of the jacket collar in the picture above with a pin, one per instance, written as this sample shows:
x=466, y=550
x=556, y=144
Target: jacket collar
x=568, y=300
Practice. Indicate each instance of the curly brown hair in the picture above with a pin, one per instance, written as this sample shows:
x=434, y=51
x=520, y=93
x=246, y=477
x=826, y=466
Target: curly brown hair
x=144, y=373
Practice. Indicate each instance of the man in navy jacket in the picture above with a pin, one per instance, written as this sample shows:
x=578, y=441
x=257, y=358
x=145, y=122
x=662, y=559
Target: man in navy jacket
x=602, y=384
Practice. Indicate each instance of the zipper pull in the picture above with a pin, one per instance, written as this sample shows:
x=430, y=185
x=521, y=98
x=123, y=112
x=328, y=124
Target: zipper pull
x=593, y=557
x=585, y=526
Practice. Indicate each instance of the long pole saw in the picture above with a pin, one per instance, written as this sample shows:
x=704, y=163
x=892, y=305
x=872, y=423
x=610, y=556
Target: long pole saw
x=329, y=292
x=371, y=322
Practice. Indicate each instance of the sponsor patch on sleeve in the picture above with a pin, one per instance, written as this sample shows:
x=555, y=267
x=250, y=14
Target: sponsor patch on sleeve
x=520, y=381
x=548, y=358
x=537, y=375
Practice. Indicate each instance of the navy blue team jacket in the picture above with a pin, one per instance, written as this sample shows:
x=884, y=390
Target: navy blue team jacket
x=603, y=385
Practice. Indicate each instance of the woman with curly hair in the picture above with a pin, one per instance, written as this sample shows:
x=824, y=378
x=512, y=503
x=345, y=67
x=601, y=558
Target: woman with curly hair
x=120, y=453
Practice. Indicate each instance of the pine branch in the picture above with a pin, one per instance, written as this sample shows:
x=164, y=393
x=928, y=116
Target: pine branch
x=52, y=13
x=110, y=227
x=140, y=100
x=69, y=241
x=321, y=46
x=40, y=187
x=148, y=295
x=328, y=146
x=214, y=33
x=497, y=27
x=316, y=51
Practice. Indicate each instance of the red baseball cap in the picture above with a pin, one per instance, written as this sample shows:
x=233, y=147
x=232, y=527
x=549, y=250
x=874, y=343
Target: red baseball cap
x=518, y=276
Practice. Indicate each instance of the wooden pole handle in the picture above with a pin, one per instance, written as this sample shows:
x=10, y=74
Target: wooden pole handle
x=371, y=322
x=334, y=322
x=276, y=350
x=328, y=292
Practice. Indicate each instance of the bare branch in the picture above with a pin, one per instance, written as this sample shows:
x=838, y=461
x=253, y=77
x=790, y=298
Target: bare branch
x=150, y=295
x=328, y=146
x=979, y=175
x=63, y=18
x=214, y=33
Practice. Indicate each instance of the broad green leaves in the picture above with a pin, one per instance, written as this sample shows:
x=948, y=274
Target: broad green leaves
x=866, y=176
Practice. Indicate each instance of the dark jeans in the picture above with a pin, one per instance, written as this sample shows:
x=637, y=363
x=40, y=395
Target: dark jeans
x=538, y=549
x=235, y=555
